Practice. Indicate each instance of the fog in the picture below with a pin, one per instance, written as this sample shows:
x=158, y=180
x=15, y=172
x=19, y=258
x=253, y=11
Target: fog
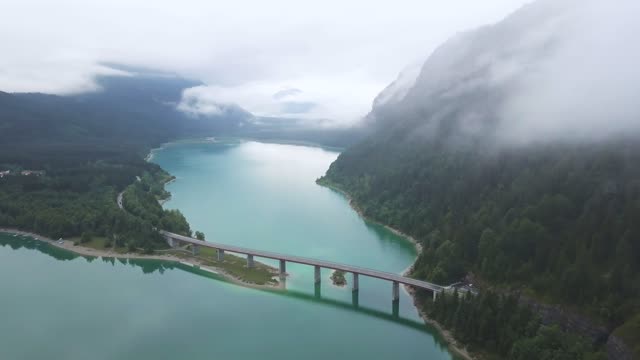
x=329, y=60
x=338, y=54
x=588, y=85
x=553, y=70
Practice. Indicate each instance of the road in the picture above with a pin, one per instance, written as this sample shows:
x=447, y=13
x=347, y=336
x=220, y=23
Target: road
x=307, y=261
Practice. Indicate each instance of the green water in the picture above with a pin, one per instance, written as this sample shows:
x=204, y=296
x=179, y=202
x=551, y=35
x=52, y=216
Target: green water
x=60, y=306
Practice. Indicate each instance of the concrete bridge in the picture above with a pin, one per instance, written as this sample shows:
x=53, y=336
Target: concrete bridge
x=175, y=240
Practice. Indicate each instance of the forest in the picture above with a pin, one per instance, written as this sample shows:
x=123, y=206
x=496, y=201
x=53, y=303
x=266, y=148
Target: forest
x=87, y=149
x=66, y=202
x=555, y=221
x=499, y=328
x=90, y=147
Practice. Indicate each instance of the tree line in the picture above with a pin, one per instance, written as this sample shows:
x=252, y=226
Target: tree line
x=496, y=326
x=558, y=220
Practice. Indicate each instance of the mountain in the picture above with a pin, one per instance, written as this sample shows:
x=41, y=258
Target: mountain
x=131, y=112
x=552, y=217
x=398, y=89
x=88, y=148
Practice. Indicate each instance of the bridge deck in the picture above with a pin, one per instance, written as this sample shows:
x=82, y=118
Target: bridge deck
x=308, y=261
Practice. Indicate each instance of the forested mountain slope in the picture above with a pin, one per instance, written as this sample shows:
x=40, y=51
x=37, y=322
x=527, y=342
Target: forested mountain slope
x=87, y=147
x=128, y=113
x=554, y=217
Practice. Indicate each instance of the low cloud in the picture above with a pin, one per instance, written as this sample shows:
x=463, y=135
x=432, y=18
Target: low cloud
x=56, y=75
x=340, y=54
x=554, y=70
x=337, y=102
x=285, y=93
x=193, y=103
x=587, y=86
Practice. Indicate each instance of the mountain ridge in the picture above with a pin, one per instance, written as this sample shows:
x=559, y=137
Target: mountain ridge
x=550, y=216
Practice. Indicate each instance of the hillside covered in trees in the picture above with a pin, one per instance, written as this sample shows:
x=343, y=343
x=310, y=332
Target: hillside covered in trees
x=499, y=327
x=87, y=148
x=553, y=217
x=558, y=221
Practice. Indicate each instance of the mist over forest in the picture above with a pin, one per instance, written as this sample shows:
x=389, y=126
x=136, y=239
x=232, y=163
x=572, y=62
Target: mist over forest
x=508, y=145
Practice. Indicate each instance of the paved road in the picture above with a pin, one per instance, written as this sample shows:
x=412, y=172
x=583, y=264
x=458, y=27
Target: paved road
x=307, y=261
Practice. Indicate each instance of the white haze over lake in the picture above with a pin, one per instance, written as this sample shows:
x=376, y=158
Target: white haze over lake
x=337, y=55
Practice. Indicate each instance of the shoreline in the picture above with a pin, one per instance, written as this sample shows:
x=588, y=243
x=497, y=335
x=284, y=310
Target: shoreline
x=85, y=251
x=416, y=244
x=168, y=198
x=237, y=140
x=453, y=345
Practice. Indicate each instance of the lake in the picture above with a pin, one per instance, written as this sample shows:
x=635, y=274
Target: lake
x=251, y=194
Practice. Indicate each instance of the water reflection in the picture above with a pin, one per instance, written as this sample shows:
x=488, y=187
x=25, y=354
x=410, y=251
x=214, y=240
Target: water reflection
x=149, y=266
x=395, y=308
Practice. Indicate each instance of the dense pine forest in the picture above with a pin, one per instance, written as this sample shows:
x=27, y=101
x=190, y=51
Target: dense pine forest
x=70, y=201
x=557, y=222
x=503, y=194
x=85, y=150
x=498, y=327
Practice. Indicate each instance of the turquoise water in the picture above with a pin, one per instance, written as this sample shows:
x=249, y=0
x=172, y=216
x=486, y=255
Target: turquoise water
x=57, y=305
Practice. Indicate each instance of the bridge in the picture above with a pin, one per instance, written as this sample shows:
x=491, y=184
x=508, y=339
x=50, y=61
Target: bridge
x=175, y=240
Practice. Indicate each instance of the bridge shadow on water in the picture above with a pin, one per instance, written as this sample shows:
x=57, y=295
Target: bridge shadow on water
x=149, y=266
x=315, y=296
x=391, y=315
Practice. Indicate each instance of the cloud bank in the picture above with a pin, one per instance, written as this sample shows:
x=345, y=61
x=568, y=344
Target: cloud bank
x=587, y=87
x=338, y=54
x=337, y=100
x=553, y=70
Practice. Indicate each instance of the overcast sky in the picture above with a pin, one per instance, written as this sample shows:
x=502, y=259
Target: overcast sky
x=331, y=57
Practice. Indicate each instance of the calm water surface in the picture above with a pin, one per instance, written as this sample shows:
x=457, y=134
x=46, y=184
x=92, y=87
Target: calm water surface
x=58, y=305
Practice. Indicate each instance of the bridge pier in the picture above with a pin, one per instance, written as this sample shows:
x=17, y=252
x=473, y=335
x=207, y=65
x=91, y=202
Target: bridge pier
x=183, y=242
x=395, y=291
x=395, y=309
x=354, y=298
x=283, y=268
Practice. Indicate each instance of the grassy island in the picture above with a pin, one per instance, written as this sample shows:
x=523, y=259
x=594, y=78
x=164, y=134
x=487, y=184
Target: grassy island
x=234, y=267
